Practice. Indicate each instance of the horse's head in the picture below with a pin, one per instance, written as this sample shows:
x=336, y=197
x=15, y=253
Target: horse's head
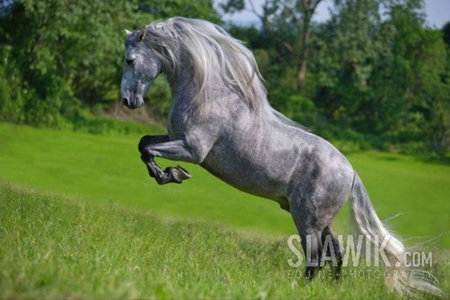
x=141, y=66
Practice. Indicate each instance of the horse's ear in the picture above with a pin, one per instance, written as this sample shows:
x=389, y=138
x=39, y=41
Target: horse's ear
x=142, y=33
x=127, y=32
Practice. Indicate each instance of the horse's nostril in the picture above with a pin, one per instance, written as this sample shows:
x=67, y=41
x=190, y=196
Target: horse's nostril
x=125, y=101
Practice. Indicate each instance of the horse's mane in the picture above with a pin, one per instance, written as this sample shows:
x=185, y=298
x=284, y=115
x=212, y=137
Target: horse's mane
x=210, y=48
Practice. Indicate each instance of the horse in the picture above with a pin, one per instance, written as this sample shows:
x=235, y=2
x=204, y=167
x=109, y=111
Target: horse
x=221, y=119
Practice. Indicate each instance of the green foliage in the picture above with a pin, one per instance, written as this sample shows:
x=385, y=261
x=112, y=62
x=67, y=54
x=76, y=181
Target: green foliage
x=59, y=54
x=12, y=99
x=301, y=108
x=107, y=126
x=165, y=9
x=232, y=6
x=446, y=33
x=377, y=75
x=374, y=70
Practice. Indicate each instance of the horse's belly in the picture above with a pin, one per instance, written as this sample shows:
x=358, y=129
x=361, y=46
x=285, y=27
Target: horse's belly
x=254, y=178
x=274, y=170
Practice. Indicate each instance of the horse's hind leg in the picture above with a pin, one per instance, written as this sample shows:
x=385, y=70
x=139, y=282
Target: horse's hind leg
x=311, y=241
x=312, y=247
x=332, y=251
x=312, y=221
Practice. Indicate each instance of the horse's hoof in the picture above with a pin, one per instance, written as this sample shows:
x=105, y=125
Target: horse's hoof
x=179, y=174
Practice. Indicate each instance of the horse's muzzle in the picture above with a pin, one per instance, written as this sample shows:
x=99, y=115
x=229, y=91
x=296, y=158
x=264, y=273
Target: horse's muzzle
x=133, y=92
x=132, y=101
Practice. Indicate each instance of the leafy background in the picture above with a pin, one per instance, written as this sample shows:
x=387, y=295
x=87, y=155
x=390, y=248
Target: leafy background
x=372, y=76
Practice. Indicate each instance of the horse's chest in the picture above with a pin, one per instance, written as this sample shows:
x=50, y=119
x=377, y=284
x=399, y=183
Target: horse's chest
x=177, y=125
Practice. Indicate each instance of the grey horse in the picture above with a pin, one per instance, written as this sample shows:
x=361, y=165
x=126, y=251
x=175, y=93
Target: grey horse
x=220, y=118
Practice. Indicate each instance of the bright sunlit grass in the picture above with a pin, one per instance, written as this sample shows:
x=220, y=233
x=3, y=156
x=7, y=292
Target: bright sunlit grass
x=80, y=218
x=53, y=248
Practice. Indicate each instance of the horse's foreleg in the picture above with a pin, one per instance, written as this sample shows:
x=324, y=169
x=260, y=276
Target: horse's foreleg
x=147, y=145
x=170, y=174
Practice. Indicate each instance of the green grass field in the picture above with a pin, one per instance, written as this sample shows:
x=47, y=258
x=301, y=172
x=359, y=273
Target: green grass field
x=80, y=218
x=54, y=248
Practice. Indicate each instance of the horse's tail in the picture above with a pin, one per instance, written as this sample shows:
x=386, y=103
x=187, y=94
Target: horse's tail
x=398, y=276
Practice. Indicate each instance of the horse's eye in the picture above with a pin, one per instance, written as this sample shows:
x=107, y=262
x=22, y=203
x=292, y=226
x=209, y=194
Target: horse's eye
x=130, y=61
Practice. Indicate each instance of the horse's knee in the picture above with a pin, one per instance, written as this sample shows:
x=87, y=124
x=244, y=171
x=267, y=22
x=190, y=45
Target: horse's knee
x=144, y=141
x=149, y=140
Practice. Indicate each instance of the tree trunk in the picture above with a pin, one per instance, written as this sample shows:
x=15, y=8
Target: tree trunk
x=309, y=7
x=302, y=67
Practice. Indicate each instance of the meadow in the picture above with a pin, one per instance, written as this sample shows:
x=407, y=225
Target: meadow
x=80, y=218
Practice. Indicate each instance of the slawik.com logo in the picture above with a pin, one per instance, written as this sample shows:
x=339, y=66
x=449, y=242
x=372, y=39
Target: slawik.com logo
x=356, y=251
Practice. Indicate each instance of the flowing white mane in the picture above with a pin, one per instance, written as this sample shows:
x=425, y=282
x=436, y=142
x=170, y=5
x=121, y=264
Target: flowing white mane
x=211, y=52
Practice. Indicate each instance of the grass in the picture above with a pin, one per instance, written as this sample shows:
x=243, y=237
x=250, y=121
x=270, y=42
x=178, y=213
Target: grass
x=54, y=248
x=107, y=169
x=416, y=190
x=108, y=231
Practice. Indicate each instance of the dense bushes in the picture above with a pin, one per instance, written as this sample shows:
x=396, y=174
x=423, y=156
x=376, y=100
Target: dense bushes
x=373, y=80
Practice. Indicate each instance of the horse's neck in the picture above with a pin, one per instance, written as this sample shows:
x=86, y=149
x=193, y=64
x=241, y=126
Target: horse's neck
x=182, y=84
x=184, y=87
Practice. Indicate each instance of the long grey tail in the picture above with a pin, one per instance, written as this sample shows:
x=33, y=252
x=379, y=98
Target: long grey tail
x=400, y=278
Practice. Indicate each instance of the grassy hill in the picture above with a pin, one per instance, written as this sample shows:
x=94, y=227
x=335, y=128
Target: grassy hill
x=54, y=248
x=107, y=169
x=80, y=218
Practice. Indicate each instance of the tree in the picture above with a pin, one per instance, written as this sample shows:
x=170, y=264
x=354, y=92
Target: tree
x=446, y=33
x=59, y=54
x=289, y=23
x=383, y=74
x=165, y=9
x=347, y=51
